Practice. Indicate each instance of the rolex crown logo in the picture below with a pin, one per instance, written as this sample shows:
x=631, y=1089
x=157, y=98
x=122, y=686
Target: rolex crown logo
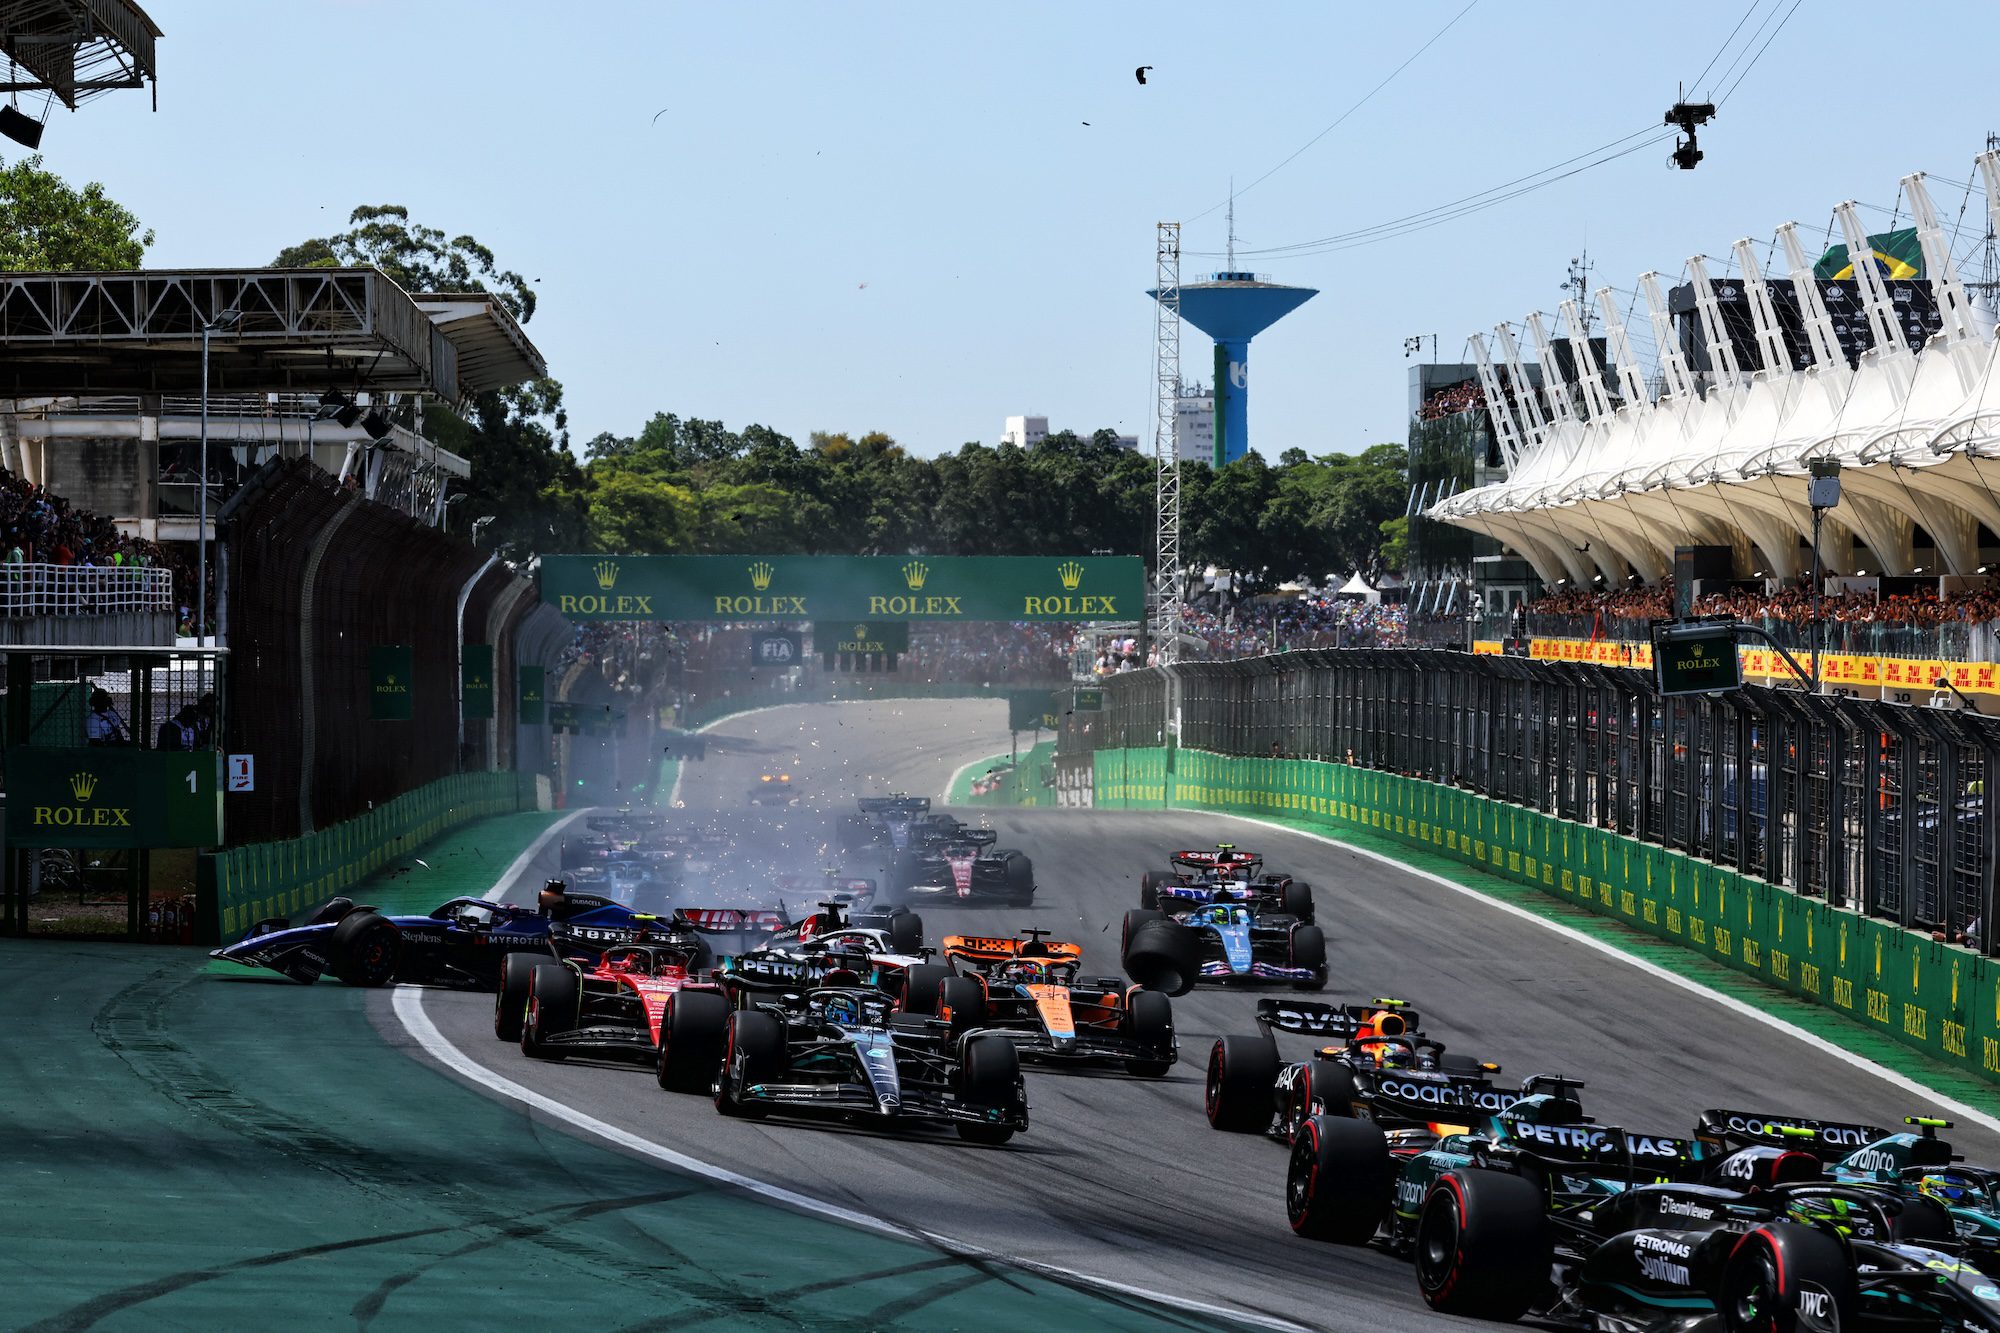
x=760, y=575
x=81, y=785
x=606, y=572
x=1071, y=574
x=914, y=575
x=860, y=632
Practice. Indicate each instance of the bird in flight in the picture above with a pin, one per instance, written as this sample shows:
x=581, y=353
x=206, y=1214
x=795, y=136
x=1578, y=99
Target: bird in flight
x=1140, y=73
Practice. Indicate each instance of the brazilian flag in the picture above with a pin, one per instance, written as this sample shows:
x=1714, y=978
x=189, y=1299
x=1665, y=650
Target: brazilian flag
x=1897, y=256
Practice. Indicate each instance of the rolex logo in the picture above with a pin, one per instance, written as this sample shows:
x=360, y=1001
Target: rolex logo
x=81, y=785
x=1071, y=574
x=860, y=631
x=760, y=575
x=914, y=575
x=606, y=572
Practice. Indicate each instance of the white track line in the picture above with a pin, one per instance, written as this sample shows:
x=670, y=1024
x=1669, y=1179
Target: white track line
x=409, y=1005
x=1652, y=969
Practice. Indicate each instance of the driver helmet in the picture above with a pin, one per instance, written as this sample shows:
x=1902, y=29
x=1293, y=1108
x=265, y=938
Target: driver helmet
x=840, y=1009
x=553, y=891
x=1950, y=1188
x=1823, y=1211
x=1027, y=972
x=624, y=960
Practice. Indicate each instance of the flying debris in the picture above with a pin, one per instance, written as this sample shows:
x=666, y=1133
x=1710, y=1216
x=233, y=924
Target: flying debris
x=1140, y=73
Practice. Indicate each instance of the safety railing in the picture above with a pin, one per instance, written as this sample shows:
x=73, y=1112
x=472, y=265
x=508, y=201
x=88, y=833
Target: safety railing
x=83, y=590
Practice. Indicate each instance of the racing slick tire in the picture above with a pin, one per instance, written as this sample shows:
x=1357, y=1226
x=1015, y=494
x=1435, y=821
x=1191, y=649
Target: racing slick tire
x=963, y=1003
x=1329, y=1083
x=757, y=1043
x=1161, y=955
x=1020, y=880
x=365, y=947
x=1242, y=1070
x=1308, y=949
x=906, y=932
x=920, y=987
x=1337, y=1184
x=555, y=1003
x=1482, y=1245
x=1779, y=1267
x=989, y=1079
x=1298, y=899
x=1149, y=1020
x=510, y=1001
x=335, y=909
x=1149, y=888
x=691, y=1035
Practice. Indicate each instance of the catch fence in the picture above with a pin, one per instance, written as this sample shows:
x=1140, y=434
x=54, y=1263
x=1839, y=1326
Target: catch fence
x=1870, y=806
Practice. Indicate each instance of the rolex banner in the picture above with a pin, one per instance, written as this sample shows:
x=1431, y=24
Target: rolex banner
x=857, y=589
x=1031, y=710
x=532, y=712
x=475, y=682
x=391, y=669
x=112, y=796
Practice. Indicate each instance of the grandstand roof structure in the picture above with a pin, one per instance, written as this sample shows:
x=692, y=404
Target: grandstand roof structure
x=139, y=332
x=1601, y=477
x=75, y=50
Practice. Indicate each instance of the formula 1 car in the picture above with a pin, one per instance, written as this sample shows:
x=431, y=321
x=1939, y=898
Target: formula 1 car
x=774, y=789
x=896, y=822
x=1383, y=1069
x=615, y=1005
x=803, y=953
x=1909, y=1162
x=961, y=863
x=1221, y=942
x=1027, y=989
x=1222, y=876
x=849, y=1052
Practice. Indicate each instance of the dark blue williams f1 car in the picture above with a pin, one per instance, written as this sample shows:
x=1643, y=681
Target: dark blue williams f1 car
x=460, y=943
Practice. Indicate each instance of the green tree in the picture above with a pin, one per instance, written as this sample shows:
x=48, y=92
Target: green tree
x=46, y=224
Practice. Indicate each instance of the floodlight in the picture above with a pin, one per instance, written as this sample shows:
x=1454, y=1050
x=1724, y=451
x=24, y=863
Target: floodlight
x=23, y=130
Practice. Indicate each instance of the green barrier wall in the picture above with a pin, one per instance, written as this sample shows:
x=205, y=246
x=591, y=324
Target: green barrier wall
x=1938, y=998
x=242, y=886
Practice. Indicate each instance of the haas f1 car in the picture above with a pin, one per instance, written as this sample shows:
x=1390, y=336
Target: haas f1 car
x=1029, y=991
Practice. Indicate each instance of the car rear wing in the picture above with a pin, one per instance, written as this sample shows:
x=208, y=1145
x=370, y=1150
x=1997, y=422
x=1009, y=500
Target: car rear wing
x=885, y=805
x=1310, y=1018
x=1000, y=949
x=1826, y=1139
x=721, y=920
x=1227, y=858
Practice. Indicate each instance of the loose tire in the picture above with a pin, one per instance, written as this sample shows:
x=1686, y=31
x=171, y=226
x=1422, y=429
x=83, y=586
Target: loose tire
x=1309, y=950
x=1134, y=919
x=753, y=1051
x=1149, y=1020
x=1482, y=1245
x=989, y=1079
x=1337, y=1184
x=1298, y=899
x=510, y=1002
x=1242, y=1072
x=1020, y=880
x=691, y=1040
x=1163, y=956
x=920, y=987
x=1149, y=888
x=1777, y=1269
x=555, y=1001
x=366, y=949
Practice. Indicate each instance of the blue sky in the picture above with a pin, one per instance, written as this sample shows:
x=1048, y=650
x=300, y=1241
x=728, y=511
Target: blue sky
x=892, y=216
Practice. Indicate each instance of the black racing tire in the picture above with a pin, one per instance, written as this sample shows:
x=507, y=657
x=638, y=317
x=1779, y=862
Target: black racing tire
x=1338, y=1181
x=906, y=932
x=691, y=1037
x=962, y=1001
x=366, y=949
x=1332, y=1085
x=1778, y=1268
x=510, y=1000
x=1137, y=917
x=1308, y=949
x=555, y=1003
x=1149, y=888
x=1298, y=899
x=921, y=983
x=1163, y=956
x=1149, y=1020
x=989, y=1080
x=753, y=1051
x=1482, y=1245
x=333, y=910
x=1242, y=1076
x=1020, y=880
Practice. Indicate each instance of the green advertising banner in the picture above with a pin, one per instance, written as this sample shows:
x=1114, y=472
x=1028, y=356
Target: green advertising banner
x=1089, y=701
x=108, y=796
x=532, y=711
x=861, y=589
x=881, y=636
x=475, y=682
x=1030, y=709
x=563, y=717
x=391, y=669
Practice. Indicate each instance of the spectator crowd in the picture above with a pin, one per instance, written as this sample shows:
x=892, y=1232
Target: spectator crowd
x=1790, y=604
x=38, y=527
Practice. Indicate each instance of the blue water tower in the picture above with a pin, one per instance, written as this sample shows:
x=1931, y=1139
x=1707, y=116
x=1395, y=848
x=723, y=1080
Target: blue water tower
x=1233, y=308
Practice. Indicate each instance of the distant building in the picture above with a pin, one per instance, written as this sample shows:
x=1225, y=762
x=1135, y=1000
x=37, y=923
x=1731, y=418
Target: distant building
x=1025, y=432
x=1194, y=425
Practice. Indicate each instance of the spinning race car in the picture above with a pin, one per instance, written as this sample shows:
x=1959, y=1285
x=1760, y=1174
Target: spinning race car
x=1221, y=942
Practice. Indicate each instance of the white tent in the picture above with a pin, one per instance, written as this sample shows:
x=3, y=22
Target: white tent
x=1358, y=587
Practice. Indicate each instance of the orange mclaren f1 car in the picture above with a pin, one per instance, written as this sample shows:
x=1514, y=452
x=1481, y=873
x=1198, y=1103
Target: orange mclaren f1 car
x=1029, y=990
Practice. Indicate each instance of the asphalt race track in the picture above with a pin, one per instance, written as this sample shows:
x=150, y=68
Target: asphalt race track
x=1122, y=1178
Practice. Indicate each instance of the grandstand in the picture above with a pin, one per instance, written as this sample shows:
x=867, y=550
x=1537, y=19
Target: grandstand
x=1609, y=470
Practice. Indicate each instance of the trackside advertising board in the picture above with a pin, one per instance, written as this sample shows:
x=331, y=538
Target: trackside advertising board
x=1697, y=659
x=105, y=796
x=862, y=589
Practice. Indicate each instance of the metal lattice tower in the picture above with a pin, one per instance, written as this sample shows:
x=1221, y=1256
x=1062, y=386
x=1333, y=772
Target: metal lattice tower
x=1166, y=449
